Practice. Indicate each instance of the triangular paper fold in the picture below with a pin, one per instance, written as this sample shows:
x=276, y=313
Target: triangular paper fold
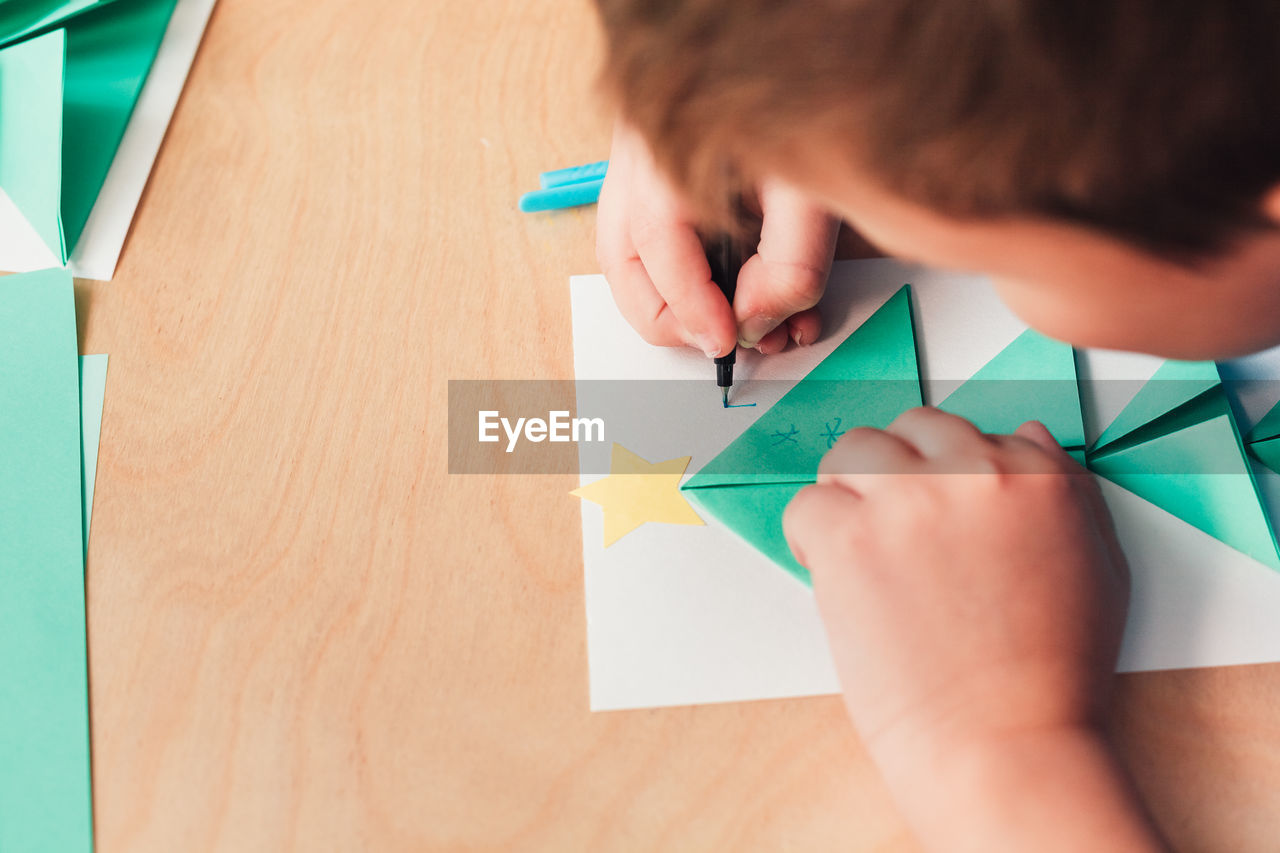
x=1173, y=384
x=1033, y=378
x=31, y=133
x=1177, y=445
x=1264, y=439
x=868, y=380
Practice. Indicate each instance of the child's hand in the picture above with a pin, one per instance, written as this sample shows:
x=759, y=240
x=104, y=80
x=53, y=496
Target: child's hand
x=974, y=595
x=653, y=259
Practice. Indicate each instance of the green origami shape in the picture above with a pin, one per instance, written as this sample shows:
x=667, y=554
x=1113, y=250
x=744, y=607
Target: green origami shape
x=66, y=97
x=1173, y=384
x=110, y=51
x=22, y=18
x=1033, y=378
x=31, y=133
x=868, y=380
x=1263, y=442
x=1181, y=450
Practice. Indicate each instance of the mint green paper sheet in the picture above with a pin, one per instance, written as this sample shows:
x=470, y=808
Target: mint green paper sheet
x=868, y=380
x=31, y=133
x=1183, y=453
x=93, y=389
x=45, y=801
x=1033, y=378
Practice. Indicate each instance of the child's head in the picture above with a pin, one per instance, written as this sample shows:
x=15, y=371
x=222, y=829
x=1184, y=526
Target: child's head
x=1114, y=165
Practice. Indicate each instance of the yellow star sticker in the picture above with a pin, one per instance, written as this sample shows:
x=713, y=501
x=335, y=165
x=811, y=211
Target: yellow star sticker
x=637, y=491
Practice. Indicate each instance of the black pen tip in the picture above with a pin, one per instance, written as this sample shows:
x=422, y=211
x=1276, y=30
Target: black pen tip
x=724, y=394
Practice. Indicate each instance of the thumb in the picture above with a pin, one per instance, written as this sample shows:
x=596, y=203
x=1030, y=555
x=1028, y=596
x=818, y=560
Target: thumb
x=789, y=271
x=1039, y=434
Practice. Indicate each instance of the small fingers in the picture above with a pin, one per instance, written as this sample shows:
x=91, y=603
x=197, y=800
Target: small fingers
x=789, y=272
x=936, y=434
x=676, y=262
x=805, y=327
x=865, y=452
x=813, y=524
x=642, y=306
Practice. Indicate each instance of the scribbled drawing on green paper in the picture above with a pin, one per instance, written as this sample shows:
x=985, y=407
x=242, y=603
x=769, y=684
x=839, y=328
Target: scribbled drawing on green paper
x=1178, y=446
x=788, y=437
x=868, y=380
x=31, y=94
x=831, y=433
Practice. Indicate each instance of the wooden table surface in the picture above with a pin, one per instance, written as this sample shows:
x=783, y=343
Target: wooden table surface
x=304, y=633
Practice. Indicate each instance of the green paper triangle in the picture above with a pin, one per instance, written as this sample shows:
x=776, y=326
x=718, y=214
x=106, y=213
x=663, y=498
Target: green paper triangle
x=1199, y=473
x=868, y=380
x=31, y=133
x=1268, y=427
x=1033, y=378
x=109, y=54
x=1172, y=385
x=1267, y=452
x=754, y=513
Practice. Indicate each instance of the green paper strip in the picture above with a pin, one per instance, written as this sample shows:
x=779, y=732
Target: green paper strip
x=44, y=723
x=31, y=133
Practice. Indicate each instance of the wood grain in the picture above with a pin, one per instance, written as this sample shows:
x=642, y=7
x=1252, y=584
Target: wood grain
x=305, y=634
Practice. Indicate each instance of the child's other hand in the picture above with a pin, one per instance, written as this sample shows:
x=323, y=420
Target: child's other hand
x=650, y=253
x=974, y=596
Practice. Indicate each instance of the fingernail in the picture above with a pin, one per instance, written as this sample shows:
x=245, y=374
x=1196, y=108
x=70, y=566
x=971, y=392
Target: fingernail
x=708, y=345
x=755, y=328
x=798, y=337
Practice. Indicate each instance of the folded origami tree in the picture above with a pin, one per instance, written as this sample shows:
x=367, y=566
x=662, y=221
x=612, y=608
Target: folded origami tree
x=70, y=74
x=1176, y=444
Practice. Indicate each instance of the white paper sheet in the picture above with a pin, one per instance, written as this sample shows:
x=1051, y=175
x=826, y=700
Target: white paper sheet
x=690, y=615
x=98, y=250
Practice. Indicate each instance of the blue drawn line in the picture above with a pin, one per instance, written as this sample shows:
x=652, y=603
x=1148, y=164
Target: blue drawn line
x=737, y=405
x=832, y=433
x=786, y=437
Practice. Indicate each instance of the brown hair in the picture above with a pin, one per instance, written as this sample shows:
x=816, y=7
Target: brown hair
x=1155, y=120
